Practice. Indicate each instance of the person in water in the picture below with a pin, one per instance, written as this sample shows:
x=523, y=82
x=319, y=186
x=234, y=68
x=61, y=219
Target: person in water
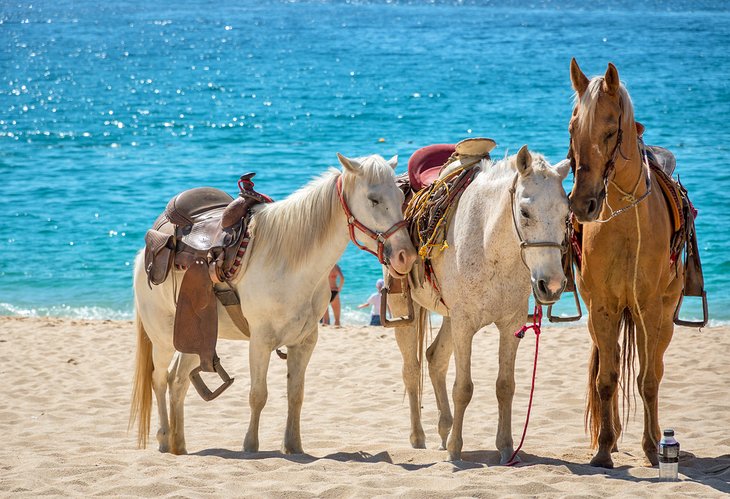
x=335, y=288
x=374, y=302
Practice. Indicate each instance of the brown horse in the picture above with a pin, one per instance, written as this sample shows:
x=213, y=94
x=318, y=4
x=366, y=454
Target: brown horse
x=626, y=278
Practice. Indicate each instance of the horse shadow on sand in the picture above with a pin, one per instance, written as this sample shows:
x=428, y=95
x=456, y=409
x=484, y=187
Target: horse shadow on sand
x=710, y=471
x=343, y=457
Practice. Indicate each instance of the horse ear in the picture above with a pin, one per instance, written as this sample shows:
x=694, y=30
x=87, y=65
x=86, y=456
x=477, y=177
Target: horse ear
x=563, y=168
x=351, y=165
x=524, y=161
x=393, y=162
x=611, y=80
x=577, y=78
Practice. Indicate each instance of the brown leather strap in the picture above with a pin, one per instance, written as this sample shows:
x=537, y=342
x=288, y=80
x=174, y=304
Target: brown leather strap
x=232, y=303
x=196, y=317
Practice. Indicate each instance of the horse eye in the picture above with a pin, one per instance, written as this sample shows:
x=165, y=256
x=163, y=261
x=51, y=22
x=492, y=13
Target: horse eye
x=610, y=134
x=524, y=214
x=373, y=201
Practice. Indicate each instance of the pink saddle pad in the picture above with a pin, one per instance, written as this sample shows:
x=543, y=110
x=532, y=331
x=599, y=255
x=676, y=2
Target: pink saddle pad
x=426, y=162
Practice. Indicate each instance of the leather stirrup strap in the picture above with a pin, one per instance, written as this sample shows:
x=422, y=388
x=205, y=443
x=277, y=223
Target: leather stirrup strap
x=196, y=317
x=232, y=303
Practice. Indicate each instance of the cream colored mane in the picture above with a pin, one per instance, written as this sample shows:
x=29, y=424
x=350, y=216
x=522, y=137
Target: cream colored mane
x=505, y=167
x=285, y=228
x=586, y=105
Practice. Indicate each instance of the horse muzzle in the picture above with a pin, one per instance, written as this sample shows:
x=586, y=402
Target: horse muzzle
x=400, y=260
x=587, y=208
x=548, y=291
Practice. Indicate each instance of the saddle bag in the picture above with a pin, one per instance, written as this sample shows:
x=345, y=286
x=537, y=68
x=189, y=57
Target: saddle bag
x=159, y=253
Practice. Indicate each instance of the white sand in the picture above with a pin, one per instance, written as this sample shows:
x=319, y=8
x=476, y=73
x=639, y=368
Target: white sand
x=66, y=394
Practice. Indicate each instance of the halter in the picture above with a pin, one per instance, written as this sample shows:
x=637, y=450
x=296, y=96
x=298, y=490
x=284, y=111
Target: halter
x=352, y=223
x=528, y=244
x=609, y=170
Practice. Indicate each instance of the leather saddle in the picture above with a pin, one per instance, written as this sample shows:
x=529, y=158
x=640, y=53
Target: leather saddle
x=203, y=231
x=425, y=166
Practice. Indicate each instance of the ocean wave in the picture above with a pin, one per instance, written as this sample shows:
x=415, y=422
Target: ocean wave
x=82, y=312
x=349, y=316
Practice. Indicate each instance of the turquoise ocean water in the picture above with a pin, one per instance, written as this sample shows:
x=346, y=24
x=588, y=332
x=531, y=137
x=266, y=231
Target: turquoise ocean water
x=107, y=109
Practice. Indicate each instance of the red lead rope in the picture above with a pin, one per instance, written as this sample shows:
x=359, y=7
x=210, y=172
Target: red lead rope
x=535, y=326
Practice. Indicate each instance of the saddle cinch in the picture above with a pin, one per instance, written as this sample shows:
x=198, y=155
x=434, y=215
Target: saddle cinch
x=204, y=232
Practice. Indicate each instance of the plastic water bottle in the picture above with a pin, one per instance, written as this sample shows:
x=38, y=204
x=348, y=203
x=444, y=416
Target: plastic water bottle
x=668, y=450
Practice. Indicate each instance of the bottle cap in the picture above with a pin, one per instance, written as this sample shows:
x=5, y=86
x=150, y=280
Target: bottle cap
x=669, y=432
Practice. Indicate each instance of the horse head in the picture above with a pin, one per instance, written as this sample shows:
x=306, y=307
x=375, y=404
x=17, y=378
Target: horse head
x=539, y=211
x=603, y=119
x=374, y=202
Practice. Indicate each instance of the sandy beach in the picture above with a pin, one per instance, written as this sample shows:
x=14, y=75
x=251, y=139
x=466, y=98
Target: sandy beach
x=64, y=422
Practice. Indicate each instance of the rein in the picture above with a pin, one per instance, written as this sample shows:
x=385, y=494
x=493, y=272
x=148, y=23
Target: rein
x=536, y=325
x=353, y=223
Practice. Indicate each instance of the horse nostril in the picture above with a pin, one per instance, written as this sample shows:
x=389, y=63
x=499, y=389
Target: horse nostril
x=542, y=287
x=592, y=205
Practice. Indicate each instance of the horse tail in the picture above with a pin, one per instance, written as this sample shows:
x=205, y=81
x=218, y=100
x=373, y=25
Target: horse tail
x=592, y=420
x=628, y=354
x=141, y=405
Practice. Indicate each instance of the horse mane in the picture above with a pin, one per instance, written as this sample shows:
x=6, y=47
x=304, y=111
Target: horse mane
x=585, y=105
x=286, y=226
x=290, y=228
x=503, y=168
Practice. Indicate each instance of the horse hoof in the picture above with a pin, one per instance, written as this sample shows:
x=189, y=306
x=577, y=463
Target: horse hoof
x=505, y=455
x=652, y=457
x=601, y=461
x=250, y=447
x=290, y=452
x=418, y=443
x=615, y=449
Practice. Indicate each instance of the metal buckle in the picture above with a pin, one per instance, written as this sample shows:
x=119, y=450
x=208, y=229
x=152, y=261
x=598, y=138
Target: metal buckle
x=203, y=389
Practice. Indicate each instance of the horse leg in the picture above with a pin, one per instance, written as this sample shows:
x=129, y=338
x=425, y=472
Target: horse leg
x=603, y=383
x=508, y=344
x=179, y=380
x=654, y=330
x=161, y=358
x=259, y=355
x=408, y=343
x=463, y=386
x=296, y=363
x=438, y=355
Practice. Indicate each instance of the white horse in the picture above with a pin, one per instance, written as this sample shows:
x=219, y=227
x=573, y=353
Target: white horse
x=505, y=239
x=283, y=289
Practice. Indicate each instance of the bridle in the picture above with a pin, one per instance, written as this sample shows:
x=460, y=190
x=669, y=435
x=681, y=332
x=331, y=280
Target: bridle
x=609, y=171
x=353, y=223
x=563, y=247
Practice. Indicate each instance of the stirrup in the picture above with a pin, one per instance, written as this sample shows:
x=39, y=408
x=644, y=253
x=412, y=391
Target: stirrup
x=572, y=318
x=401, y=321
x=682, y=322
x=203, y=389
